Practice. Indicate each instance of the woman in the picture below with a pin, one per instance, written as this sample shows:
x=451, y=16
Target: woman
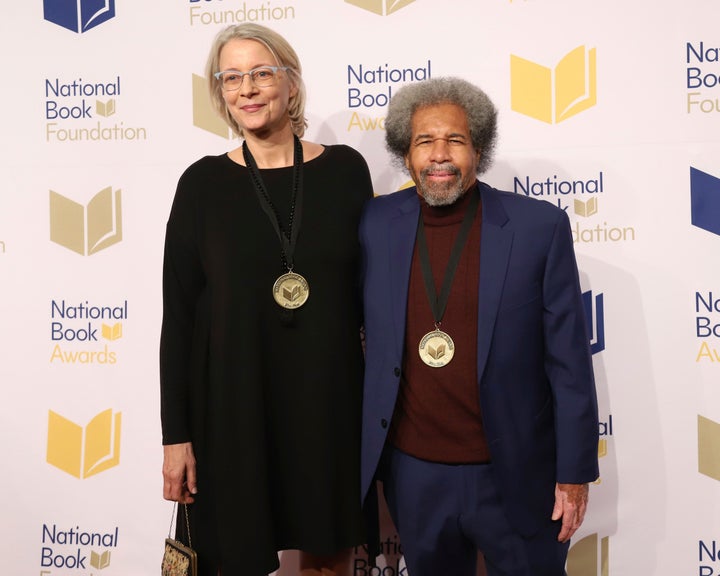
x=261, y=357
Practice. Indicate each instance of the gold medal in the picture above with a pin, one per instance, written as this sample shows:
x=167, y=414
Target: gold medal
x=291, y=290
x=436, y=349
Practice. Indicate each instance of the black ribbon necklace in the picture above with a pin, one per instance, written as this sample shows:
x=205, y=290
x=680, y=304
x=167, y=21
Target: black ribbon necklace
x=437, y=347
x=288, y=236
x=290, y=290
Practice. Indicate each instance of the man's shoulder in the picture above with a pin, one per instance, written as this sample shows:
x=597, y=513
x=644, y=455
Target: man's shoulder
x=519, y=205
x=397, y=197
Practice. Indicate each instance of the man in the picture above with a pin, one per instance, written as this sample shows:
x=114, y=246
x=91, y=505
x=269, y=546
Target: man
x=480, y=414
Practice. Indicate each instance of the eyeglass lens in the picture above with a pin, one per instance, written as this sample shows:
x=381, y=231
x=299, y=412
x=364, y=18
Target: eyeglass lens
x=232, y=80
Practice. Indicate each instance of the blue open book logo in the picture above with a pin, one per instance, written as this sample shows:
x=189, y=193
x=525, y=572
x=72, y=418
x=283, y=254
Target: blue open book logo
x=78, y=15
x=595, y=320
x=705, y=201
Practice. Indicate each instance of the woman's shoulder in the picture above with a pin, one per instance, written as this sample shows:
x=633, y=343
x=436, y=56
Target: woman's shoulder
x=342, y=159
x=215, y=169
x=207, y=164
x=205, y=175
x=343, y=166
x=343, y=151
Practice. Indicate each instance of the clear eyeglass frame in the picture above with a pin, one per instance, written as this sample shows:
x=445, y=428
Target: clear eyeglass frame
x=231, y=80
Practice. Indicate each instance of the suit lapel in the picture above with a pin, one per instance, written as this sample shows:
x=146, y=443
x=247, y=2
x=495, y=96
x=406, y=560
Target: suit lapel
x=495, y=244
x=402, y=228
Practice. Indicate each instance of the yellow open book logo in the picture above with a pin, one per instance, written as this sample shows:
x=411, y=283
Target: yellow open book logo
x=84, y=452
x=554, y=95
x=86, y=230
x=204, y=115
x=602, y=448
x=382, y=7
x=112, y=332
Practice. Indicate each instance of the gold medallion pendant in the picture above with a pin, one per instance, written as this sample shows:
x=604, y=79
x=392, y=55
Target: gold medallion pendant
x=436, y=349
x=291, y=290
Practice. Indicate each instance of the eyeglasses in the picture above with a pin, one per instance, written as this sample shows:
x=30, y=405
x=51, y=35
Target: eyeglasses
x=263, y=76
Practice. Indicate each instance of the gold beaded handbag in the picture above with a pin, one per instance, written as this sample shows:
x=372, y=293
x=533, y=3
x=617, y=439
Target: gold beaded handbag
x=179, y=559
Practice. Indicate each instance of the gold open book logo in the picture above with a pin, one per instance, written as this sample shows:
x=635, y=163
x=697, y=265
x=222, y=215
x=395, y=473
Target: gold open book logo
x=106, y=108
x=586, y=208
x=204, y=116
x=84, y=452
x=291, y=294
x=436, y=352
x=554, y=94
x=382, y=7
x=708, y=447
x=100, y=560
x=86, y=229
x=589, y=557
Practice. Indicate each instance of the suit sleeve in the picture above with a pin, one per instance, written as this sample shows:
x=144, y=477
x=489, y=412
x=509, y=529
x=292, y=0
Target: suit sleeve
x=568, y=362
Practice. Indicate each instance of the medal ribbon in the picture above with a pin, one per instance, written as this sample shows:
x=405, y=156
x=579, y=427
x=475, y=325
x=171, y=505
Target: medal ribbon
x=438, y=305
x=288, y=238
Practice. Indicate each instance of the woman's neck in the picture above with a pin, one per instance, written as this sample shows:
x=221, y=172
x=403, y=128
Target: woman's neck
x=275, y=151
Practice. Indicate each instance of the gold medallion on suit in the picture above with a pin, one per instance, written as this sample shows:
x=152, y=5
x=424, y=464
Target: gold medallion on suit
x=436, y=348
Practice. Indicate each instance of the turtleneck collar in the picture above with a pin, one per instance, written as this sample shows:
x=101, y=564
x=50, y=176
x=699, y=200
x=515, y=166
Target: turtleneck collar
x=447, y=215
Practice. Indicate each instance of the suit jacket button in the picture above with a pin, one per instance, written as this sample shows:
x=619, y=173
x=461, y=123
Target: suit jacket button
x=396, y=371
x=384, y=423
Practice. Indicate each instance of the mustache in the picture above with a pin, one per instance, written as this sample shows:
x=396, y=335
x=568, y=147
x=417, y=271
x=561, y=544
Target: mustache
x=447, y=167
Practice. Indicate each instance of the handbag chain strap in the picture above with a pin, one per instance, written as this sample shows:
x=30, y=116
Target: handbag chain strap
x=187, y=522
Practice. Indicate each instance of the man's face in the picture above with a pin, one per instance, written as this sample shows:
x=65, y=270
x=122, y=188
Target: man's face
x=441, y=160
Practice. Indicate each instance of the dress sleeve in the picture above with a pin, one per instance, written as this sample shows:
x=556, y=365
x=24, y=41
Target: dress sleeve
x=363, y=179
x=183, y=282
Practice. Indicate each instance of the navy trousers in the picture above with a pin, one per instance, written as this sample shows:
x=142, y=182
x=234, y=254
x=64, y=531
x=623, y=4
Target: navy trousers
x=445, y=514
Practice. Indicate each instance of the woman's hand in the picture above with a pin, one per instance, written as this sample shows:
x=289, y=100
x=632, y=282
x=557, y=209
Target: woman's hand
x=179, y=480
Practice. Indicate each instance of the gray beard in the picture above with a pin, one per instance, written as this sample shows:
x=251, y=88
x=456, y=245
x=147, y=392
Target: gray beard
x=440, y=194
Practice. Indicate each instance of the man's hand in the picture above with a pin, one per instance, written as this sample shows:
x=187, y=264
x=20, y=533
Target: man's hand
x=570, y=505
x=179, y=480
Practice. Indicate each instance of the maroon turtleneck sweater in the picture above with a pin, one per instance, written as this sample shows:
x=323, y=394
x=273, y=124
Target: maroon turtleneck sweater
x=437, y=414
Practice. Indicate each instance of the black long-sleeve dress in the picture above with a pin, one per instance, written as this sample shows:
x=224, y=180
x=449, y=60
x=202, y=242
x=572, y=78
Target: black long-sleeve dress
x=270, y=398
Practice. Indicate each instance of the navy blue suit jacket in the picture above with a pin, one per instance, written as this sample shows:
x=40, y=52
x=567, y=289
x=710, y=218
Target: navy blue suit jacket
x=535, y=376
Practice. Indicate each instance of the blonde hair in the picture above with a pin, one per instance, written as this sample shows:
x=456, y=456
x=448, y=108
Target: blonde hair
x=284, y=55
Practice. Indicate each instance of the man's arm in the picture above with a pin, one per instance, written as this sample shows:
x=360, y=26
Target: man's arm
x=570, y=505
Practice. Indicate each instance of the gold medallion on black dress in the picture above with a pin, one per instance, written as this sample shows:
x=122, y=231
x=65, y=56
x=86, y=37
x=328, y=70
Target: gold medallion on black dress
x=291, y=290
x=436, y=349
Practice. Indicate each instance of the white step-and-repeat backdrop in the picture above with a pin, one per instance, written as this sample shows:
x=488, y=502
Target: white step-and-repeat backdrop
x=610, y=110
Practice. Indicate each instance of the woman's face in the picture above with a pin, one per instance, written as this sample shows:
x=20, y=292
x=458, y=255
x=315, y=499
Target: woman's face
x=257, y=110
